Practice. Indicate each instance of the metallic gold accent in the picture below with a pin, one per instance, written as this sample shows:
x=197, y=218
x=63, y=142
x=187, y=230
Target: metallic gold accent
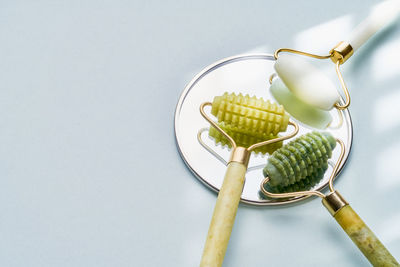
x=273, y=75
x=215, y=125
x=344, y=87
x=291, y=194
x=241, y=155
x=281, y=138
x=339, y=161
x=299, y=53
x=333, y=202
x=341, y=52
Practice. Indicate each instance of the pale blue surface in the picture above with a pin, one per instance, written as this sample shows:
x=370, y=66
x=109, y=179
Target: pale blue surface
x=90, y=174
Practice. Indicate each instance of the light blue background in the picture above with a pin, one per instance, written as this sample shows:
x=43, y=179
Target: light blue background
x=89, y=171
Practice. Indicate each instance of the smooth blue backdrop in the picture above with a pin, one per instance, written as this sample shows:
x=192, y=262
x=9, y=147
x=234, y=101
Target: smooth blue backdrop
x=89, y=171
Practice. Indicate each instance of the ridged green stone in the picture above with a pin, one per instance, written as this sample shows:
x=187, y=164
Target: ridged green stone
x=302, y=185
x=300, y=164
x=250, y=113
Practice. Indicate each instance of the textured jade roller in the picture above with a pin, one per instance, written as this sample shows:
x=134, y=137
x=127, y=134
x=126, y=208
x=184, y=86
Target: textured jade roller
x=297, y=165
x=241, y=119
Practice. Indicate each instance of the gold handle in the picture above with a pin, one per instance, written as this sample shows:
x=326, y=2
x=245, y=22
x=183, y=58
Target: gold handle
x=364, y=238
x=224, y=215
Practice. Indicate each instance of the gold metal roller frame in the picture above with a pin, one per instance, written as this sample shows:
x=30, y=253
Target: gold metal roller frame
x=339, y=54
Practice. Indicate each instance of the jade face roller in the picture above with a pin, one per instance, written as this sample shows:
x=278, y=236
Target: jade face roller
x=306, y=91
x=299, y=162
x=243, y=113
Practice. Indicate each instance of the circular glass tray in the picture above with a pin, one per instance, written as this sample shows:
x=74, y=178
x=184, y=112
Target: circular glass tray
x=246, y=74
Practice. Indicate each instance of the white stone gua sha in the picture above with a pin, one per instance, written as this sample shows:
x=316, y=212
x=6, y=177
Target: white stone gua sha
x=304, y=90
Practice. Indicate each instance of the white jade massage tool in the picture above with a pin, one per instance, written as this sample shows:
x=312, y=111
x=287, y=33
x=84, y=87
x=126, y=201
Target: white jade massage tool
x=304, y=90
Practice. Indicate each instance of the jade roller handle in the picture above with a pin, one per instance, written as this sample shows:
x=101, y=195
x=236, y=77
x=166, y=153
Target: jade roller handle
x=359, y=232
x=382, y=15
x=224, y=215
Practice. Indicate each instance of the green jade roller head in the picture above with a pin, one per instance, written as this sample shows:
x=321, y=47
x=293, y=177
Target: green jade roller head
x=250, y=113
x=302, y=160
x=300, y=164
